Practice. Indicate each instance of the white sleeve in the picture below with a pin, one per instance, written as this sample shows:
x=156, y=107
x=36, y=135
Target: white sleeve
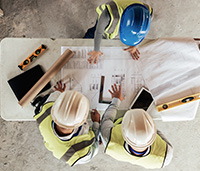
x=107, y=121
x=92, y=152
x=95, y=128
x=53, y=96
x=170, y=150
x=94, y=148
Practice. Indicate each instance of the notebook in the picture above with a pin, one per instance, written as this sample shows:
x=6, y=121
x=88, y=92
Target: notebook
x=22, y=83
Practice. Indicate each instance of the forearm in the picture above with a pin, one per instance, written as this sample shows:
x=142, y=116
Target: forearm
x=169, y=153
x=95, y=128
x=97, y=41
x=108, y=119
x=53, y=96
x=101, y=25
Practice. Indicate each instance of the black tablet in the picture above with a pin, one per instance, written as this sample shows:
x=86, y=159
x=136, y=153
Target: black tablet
x=142, y=100
x=23, y=82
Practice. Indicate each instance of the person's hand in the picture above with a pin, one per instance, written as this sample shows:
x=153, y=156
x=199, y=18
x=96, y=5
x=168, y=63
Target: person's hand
x=94, y=56
x=60, y=86
x=116, y=92
x=95, y=116
x=134, y=52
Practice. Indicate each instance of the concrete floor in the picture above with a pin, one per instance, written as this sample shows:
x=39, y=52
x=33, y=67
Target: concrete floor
x=21, y=146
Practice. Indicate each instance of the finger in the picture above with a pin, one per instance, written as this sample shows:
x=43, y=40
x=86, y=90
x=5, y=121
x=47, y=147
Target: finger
x=101, y=53
x=94, y=110
x=115, y=87
x=127, y=49
x=133, y=56
x=137, y=56
x=92, y=59
x=120, y=88
x=137, y=51
x=64, y=87
x=55, y=87
x=110, y=92
x=96, y=60
x=90, y=53
x=59, y=84
x=89, y=59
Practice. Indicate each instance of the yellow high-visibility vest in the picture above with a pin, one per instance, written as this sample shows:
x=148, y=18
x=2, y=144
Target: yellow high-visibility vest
x=115, y=148
x=70, y=151
x=115, y=9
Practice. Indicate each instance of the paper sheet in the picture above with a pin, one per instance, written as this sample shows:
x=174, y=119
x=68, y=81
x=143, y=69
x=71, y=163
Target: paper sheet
x=170, y=68
x=116, y=65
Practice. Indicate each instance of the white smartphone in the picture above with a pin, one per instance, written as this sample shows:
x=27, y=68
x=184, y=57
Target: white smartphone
x=143, y=100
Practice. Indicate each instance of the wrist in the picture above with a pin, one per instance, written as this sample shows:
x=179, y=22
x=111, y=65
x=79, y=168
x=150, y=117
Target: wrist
x=96, y=125
x=116, y=101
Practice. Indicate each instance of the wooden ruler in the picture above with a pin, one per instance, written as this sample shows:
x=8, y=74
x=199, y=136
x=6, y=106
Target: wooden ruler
x=178, y=102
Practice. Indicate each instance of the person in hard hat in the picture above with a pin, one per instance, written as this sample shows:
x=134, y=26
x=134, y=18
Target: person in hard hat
x=62, y=123
x=129, y=19
x=134, y=137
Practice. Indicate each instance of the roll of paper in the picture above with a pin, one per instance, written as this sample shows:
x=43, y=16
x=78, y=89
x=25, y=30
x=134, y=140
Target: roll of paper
x=52, y=71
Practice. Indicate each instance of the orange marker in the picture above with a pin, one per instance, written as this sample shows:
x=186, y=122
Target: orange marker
x=33, y=56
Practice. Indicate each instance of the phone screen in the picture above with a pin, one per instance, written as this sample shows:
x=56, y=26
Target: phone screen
x=143, y=101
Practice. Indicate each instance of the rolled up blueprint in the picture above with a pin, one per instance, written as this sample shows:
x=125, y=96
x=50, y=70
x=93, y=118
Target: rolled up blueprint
x=53, y=70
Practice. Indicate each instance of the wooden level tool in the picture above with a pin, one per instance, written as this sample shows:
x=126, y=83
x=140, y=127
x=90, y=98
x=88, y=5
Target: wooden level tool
x=178, y=102
x=32, y=57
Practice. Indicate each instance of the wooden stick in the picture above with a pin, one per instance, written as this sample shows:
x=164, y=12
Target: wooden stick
x=53, y=70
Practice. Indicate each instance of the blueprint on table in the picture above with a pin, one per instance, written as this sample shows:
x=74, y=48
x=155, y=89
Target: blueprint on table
x=116, y=65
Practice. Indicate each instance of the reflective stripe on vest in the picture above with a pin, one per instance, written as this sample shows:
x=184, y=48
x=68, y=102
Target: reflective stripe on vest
x=70, y=151
x=115, y=148
x=115, y=9
x=115, y=15
x=76, y=147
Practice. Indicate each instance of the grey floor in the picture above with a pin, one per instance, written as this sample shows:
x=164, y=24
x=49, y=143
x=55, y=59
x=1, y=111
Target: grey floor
x=21, y=146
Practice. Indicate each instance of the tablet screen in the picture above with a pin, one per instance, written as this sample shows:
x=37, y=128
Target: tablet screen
x=143, y=100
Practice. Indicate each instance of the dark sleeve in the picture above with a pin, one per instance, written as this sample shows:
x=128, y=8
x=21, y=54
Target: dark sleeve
x=101, y=25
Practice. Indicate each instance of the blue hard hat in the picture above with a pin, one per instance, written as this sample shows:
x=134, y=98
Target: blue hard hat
x=135, y=24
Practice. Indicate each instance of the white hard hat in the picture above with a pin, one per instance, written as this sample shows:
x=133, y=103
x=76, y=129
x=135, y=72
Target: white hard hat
x=70, y=110
x=138, y=129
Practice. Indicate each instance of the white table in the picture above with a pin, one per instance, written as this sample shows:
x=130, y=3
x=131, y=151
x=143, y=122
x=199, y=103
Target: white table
x=15, y=50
